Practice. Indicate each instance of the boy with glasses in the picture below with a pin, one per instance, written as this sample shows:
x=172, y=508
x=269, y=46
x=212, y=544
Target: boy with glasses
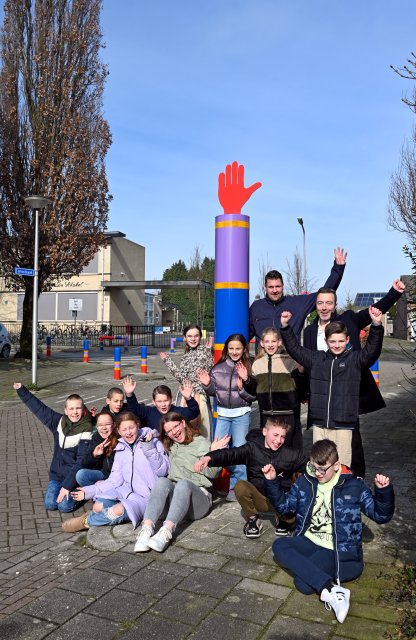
x=326, y=547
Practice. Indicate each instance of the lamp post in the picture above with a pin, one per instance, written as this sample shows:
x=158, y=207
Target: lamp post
x=35, y=203
x=305, y=282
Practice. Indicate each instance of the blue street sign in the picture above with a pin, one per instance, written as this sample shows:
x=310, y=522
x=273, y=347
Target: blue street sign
x=24, y=272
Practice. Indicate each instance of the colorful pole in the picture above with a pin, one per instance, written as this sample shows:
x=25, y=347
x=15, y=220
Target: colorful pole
x=375, y=371
x=48, y=346
x=172, y=345
x=101, y=343
x=85, y=350
x=143, y=353
x=117, y=363
x=126, y=343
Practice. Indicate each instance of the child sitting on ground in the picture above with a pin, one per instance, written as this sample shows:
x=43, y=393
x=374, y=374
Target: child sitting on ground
x=72, y=432
x=98, y=460
x=335, y=377
x=162, y=403
x=262, y=447
x=326, y=548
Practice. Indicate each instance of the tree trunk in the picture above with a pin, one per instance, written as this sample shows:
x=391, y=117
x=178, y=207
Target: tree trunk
x=25, y=350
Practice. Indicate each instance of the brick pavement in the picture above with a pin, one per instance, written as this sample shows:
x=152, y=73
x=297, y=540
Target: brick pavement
x=212, y=582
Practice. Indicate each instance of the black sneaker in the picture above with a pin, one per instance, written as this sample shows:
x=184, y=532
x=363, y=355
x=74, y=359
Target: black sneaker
x=253, y=527
x=283, y=529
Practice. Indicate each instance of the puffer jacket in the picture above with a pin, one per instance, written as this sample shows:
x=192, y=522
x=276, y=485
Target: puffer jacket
x=334, y=380
x=255, y=455
x=223, y=385
x=349, y=497
x=135, y=471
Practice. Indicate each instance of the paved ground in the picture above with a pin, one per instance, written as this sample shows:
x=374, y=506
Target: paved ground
x=212, y=583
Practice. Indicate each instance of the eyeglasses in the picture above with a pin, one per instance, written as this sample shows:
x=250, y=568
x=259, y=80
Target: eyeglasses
x=321, y=470
x=172, y=428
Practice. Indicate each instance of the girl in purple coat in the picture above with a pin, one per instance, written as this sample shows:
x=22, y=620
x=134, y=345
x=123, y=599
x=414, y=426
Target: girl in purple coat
x=140, y=459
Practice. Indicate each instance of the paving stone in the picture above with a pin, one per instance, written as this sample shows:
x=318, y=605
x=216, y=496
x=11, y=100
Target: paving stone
x=203, y=560
x=212, y=583
x=249, y=606
x=151, y=581
x=216, y=626
x=91, y=582
x=19, y=627
x=294, y=629
x=201, y=541
x=282, y=577
x=243, y=548
x=151, y=627
x=264, y=588
x=248, y=569
x=161, y=564
x=120, y=605
x=361, y=629
x=124, y=564
x=184, y=606
x=101, y=538
x=86, y=627
x=57, y=605
x=124, y=532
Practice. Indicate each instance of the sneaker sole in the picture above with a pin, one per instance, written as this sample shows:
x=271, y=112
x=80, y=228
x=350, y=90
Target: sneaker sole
x=282, y=534
x=142, y=549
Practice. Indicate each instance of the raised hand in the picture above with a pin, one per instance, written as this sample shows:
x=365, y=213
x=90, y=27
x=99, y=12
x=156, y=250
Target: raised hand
x=241, y=370
x=163, y=355
x=209, y=343
x=186, y=389
x=99, y=449
x=17, y=385
x=93, y=411
x=285, y=318
x=269, y=471
x=340, y=256
x=219, y=443
x=203, y=376
x=232, y=193
x=381, y=481
x=375, y=315
x=129, y=386
x=399, y=286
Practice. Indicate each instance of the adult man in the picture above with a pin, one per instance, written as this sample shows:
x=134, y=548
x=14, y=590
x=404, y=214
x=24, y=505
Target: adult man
x=314, y=338
x=266, y=312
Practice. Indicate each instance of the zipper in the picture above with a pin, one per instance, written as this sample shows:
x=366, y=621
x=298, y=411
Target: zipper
x=329, y=394
x=229, y=389
x=334, y=530
x=310, y=504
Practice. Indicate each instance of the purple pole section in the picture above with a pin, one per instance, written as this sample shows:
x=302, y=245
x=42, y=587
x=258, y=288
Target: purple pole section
x=232, y=238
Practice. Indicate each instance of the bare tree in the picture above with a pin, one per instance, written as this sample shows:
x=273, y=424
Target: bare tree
x=264, y=267
x=53, y=140
x=408, y=72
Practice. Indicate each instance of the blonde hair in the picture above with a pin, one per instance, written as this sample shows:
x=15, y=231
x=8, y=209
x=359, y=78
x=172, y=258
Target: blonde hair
x=268, y=330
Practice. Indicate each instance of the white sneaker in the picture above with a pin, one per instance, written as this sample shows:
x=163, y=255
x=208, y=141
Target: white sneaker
x=143, y=537
x=338, y=599
x=161, y=539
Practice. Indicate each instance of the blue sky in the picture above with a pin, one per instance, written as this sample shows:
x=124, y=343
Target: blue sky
x=299, y=91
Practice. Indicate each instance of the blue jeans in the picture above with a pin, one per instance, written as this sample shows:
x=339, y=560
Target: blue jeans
x=51, y=495
x=85, y=477
x=95, y=519
x=311, y=565
x=237, y=428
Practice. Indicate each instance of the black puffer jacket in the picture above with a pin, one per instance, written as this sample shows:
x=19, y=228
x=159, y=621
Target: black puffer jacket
x=334, y=380
x=255, y=455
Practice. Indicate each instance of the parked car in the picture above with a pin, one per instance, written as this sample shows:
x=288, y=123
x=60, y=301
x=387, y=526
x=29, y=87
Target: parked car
x=5, y=342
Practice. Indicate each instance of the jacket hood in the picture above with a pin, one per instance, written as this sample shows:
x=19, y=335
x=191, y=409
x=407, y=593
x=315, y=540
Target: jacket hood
x=255, y=435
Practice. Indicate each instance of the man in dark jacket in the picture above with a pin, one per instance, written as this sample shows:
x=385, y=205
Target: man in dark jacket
x=326, y=547
x=263, y=446
x=266, y=311
x=313, y=338
x=335, y=377
x=72, y=432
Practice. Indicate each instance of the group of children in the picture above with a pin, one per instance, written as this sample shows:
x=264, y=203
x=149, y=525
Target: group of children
x=141, y=463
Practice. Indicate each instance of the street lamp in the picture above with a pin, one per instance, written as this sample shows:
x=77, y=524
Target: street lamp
x=305, y=282
x=35, y=203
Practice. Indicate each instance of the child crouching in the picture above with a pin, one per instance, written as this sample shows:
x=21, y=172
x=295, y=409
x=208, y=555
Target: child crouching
x=326, y=547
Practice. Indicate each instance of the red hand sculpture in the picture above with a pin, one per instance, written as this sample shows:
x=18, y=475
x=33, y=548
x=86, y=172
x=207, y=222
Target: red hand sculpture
x=232, y=193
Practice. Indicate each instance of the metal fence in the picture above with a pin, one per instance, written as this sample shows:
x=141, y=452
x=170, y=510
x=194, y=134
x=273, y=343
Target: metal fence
x=97, y=334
